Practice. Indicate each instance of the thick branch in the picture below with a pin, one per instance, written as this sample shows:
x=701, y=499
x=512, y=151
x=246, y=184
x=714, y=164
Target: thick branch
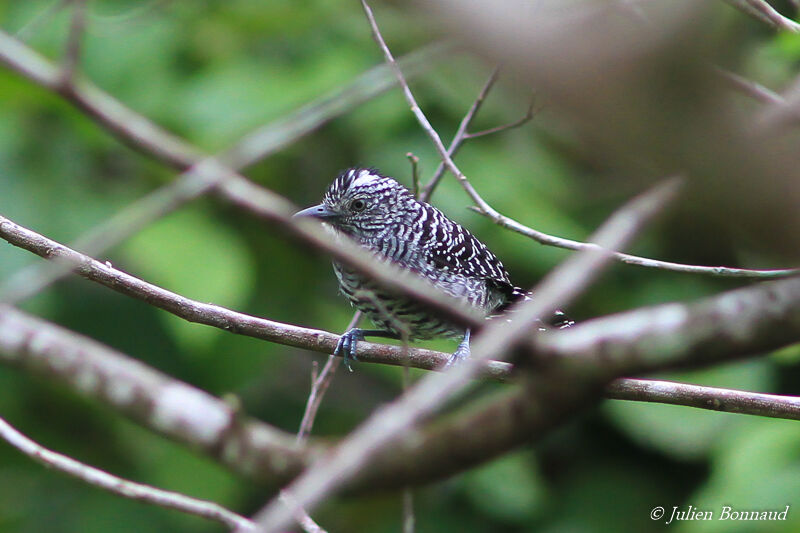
x=159, y=402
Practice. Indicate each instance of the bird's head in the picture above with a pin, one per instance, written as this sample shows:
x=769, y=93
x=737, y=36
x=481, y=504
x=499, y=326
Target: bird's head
x=360, y=202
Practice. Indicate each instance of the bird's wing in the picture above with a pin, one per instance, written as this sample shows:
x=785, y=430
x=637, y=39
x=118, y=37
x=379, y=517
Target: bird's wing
x=450, y=246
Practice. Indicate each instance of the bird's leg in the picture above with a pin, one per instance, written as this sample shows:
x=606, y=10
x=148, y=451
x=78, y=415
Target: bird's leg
x=461, y=353
x=347, y=342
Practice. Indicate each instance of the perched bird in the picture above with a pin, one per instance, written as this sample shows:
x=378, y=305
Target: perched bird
x=384, y=217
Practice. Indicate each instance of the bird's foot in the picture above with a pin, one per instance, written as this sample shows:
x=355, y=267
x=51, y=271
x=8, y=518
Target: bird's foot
x=346, y=347
x=461, y=353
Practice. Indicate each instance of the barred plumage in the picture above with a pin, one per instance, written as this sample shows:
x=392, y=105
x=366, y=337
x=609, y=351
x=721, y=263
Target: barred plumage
x=384, y=217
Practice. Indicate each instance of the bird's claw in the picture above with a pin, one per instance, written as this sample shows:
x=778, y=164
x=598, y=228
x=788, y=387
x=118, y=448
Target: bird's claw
x=461, y=353
x=346, y=347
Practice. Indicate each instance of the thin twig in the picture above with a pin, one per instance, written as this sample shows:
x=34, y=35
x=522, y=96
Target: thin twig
x=415, y=187
x=409, y=518
x=300, y=515
x=628, y=259
x=119, y=486
x=319, y=387
x=461, y=132
x=403, y=329
x=529, y=114
x=417, y=111
x=72, y=50
x=751, y=88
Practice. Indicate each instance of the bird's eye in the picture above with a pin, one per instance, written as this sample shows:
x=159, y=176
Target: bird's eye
x=358, y=205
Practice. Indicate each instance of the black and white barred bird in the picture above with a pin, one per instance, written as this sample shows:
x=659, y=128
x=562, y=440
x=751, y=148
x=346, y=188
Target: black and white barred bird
x=384, y=217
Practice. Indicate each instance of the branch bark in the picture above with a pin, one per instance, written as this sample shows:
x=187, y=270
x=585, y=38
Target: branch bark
x=165, y=405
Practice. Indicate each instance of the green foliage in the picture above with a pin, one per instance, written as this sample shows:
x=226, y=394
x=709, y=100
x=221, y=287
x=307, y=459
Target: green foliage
x=211, y=71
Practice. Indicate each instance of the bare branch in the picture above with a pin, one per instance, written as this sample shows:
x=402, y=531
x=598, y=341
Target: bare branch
x=119, y=486
x=461, y=133
x=209, y=314
x=503, y=127
x=574, y=365
x=155, y=142
x=319, y=387
x=165, y=405
x=751, y=88
x=265, y=203
x=414, y=160
x=300, y=515
x=713, y=398
x=768, y=313
x=628, y=259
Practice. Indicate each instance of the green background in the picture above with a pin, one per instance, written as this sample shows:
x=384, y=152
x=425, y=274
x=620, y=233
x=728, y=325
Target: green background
x=210, y=71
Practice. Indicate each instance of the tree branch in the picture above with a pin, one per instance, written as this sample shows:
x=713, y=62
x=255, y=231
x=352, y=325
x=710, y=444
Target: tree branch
x=628, y=259
x=712, y=398
x=163, y=404
x=119, y=486
x=769, y=312
x=461, y=133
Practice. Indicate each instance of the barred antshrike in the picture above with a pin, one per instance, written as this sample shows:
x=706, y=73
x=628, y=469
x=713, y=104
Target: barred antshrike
x=384, y=217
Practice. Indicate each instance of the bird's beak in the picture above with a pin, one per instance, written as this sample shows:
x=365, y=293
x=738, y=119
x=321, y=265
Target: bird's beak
x=316, y=211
